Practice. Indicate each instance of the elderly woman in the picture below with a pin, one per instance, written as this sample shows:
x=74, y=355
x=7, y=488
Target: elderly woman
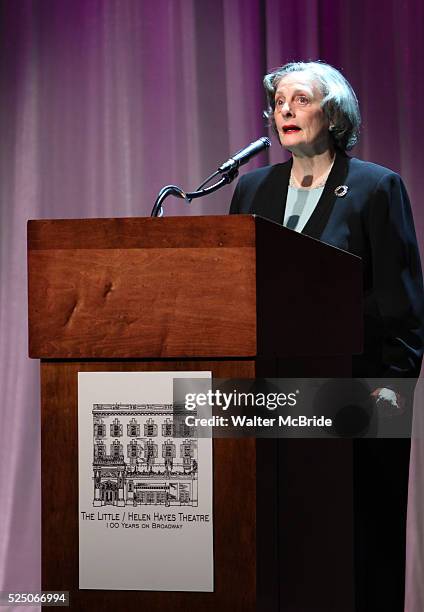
x=362, y=208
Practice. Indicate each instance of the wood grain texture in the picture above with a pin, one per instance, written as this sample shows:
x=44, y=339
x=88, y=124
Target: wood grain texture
x=100, y=303
x=146, y=288
x=142, y=233
x=234, y=502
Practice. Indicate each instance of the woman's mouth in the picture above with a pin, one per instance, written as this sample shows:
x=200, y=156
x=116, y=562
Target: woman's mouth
x=290, y=129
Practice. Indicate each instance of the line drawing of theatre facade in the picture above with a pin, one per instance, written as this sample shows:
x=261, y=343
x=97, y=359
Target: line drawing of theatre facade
x=142, y=455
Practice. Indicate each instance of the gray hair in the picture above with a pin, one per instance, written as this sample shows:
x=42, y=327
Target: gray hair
x=339, y=104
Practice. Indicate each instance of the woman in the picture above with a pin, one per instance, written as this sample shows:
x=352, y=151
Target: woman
x=362, y=208
x=354, y=205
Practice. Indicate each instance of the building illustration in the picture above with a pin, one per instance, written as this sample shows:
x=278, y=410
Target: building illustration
x=142, y=455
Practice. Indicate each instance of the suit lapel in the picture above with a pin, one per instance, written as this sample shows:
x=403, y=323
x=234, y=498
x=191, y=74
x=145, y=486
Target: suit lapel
x=272, y=194
x=319, y=218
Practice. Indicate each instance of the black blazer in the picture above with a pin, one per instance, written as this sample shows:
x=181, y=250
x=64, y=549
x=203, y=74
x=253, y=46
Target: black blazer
x=374, y=221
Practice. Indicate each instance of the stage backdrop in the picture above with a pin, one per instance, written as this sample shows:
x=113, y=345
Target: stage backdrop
x=102, y=102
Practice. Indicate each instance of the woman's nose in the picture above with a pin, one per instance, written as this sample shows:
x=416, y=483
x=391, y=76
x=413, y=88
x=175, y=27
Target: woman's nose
x=286, y=109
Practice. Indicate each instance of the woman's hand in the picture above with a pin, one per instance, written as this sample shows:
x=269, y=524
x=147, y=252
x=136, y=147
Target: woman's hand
x=388, y=402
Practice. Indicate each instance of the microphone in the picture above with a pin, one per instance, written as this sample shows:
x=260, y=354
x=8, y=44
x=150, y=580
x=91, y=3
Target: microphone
x=244, y=155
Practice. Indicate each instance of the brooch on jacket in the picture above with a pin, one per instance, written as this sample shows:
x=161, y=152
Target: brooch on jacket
x=341, y=191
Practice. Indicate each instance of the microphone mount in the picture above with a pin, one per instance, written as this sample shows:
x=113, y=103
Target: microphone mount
x=226, y=179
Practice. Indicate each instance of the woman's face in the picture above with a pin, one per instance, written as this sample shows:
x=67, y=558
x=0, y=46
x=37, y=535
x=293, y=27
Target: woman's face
x=301, y=123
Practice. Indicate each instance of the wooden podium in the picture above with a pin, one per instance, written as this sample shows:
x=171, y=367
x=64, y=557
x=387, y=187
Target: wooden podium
x=239, y=296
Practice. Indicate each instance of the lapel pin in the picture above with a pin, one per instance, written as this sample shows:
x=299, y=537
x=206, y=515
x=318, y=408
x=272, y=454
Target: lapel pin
x=341, y=191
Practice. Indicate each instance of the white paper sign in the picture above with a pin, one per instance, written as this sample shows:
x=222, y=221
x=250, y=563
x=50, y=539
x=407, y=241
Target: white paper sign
x=145, y=492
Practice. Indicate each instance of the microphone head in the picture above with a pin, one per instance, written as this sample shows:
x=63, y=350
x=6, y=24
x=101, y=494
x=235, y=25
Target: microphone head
x=266, y=141
x=244, y=155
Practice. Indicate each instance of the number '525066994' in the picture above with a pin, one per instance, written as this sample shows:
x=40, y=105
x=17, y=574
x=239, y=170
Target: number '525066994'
x=48, y=598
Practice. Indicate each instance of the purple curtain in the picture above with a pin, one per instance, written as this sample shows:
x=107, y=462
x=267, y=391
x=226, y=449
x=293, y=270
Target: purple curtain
x=102, y=102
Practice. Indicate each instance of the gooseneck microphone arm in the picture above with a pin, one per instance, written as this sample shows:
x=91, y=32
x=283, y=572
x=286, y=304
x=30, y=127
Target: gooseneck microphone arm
x=228, y=170
x=157, y=210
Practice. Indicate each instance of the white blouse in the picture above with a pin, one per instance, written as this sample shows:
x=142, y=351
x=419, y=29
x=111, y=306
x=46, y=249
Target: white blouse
x=300, y=205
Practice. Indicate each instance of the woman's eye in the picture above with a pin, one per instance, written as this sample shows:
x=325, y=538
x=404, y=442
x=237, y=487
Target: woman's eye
x=302, y=99
x=279, y=102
